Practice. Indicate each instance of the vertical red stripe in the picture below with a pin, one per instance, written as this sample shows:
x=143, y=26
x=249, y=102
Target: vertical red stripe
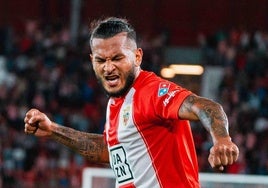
x=129, y=185
x=114, y=122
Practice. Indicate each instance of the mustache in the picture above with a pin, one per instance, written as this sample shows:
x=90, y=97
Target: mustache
x=128, y=84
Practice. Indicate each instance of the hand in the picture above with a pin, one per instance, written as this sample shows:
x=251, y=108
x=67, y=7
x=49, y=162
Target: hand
x=37, y=123
x=224, y=152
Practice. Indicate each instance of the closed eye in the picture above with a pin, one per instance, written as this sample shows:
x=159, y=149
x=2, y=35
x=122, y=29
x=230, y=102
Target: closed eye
x=117, y=58
x=99, y=60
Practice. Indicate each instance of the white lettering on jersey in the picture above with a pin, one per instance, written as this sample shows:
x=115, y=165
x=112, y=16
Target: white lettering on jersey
x=169, y=96
x=120, y=164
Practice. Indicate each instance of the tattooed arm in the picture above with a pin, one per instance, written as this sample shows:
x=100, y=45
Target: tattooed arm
x=91, y=146
x=224, y=151
x=208, y=112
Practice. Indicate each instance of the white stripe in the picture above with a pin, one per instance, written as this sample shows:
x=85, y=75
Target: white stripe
x=136, y=150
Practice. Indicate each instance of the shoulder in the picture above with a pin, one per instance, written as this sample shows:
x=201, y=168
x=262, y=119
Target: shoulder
x=148, y=79
x=149, y=84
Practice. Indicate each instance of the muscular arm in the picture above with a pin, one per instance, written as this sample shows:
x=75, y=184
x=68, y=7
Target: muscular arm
x=224, y=151
x=208, y=112
x=91, y=146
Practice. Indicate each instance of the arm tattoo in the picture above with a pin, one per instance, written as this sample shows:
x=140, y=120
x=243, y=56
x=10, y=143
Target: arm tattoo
x=209, y=113
x=89, y=145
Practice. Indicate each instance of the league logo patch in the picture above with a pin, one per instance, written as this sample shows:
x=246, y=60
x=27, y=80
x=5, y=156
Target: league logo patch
x=163, y=88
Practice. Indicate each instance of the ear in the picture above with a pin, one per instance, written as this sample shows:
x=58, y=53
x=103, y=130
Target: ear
x=139, y=54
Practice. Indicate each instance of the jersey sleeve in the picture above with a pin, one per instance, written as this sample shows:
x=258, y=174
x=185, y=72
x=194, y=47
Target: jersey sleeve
x=169, y=99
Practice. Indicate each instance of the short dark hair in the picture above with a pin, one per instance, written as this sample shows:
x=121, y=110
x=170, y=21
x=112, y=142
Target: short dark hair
x=110, y=27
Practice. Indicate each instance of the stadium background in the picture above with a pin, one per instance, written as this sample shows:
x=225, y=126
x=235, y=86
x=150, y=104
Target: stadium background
x=44, y=63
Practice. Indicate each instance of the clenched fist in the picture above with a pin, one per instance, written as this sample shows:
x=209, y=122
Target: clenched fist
x=224, y=152
x=37, y=123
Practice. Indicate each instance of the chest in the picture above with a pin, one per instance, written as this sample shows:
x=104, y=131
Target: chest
x=120, y=126
x=131, y=119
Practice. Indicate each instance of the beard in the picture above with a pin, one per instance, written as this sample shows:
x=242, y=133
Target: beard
x=129, y=81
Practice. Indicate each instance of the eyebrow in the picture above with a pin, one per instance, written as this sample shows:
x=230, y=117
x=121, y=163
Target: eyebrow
x=115, y=56
x=97, y=57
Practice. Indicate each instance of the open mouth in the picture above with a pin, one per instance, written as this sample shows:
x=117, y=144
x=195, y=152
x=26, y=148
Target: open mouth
x=112, y=80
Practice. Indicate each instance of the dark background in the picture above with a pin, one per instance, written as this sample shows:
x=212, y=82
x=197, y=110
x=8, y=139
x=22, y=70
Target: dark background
x=183, y=19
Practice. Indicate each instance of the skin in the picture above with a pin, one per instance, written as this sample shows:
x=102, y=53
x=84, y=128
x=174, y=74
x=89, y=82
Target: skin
x=224, y=151
x=114, y=60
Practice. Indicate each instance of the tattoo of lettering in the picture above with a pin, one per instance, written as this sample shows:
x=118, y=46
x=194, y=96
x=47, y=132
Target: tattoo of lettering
x=89, y=145
x=209, y=113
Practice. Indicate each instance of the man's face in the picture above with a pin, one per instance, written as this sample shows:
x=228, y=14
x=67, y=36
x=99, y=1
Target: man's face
x=116, y=63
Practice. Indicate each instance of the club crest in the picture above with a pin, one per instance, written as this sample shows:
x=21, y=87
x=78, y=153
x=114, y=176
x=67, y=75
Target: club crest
x=126, y=115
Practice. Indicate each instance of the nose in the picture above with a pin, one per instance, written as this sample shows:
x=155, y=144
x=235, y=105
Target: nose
x=108, y=66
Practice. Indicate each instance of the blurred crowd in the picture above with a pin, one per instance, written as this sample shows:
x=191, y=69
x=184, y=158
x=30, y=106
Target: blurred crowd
x=41, y=68
x=243, y=93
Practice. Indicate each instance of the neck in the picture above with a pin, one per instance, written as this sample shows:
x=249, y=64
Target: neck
x=137, y=72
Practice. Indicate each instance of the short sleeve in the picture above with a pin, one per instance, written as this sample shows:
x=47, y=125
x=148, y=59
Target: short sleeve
x=167, y=103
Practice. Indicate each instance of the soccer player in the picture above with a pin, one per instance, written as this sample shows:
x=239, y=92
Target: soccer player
x=147, y=137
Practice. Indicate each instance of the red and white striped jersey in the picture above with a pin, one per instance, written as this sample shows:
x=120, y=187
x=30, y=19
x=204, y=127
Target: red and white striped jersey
x=149, y=146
